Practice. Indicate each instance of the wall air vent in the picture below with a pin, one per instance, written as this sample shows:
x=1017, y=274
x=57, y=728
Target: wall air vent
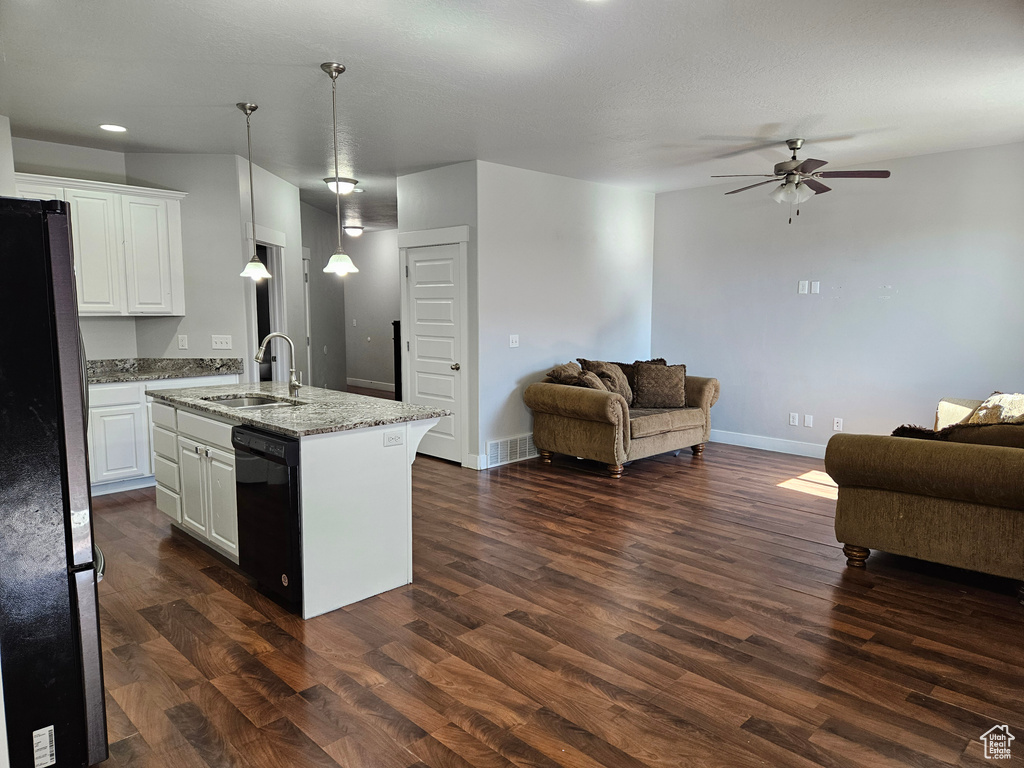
x=511, y=449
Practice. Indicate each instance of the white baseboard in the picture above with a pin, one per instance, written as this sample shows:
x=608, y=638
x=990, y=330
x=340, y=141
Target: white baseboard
x=102, y=489
x=475, y=461
x=370, y=384
x=776, y=444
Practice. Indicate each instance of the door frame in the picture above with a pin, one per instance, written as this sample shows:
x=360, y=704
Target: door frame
x=275, y=244
x=309, y=324
x=424, y=239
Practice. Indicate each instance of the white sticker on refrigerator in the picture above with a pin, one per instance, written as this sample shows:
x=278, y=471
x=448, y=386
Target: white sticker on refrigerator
x=45, y=753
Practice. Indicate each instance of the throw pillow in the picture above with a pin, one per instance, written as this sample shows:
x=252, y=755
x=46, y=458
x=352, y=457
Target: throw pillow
x=613, y=377
x=660, y=386
x=630, y=370
x=566, y=373
x=999, y=409
x=591, y=380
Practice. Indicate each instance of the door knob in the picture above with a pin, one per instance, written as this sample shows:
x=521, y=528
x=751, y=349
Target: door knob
x=456, y=367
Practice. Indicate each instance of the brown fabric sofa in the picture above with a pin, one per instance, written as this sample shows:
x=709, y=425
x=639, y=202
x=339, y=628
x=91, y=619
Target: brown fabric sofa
x=599, y=425
x=955, y=503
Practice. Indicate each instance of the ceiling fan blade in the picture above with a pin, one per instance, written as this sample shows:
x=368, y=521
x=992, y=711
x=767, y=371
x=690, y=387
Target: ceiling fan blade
x=759, y=184
x=741, y=175
x=809, y=166
x=817, y=186
x=854, y=174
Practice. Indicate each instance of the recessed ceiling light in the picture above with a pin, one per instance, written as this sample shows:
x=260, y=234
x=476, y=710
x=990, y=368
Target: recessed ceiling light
x=113, y=128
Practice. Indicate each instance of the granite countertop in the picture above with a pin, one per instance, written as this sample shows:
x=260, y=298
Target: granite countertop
x=319, y=411
x=153, y=368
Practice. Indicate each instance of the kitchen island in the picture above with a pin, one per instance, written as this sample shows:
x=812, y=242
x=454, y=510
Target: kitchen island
x=352, y=482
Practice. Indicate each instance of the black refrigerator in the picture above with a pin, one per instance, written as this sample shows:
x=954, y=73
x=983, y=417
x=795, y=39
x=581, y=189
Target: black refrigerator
x=52, y=707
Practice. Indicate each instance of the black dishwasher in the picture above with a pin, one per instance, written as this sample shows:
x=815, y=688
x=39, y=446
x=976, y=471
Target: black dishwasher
x=269, y=529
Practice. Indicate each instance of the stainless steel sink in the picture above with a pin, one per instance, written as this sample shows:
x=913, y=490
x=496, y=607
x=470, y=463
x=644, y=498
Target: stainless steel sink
x=250, y=403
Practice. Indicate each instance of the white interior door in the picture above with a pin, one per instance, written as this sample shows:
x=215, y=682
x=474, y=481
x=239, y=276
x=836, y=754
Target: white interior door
x=435, y=343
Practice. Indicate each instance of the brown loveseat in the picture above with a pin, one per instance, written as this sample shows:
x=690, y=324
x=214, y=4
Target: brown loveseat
x=957, y=503
x=600, y=425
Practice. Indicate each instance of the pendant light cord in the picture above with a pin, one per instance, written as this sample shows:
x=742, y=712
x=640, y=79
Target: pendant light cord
x=252, y=189
x=337, y=193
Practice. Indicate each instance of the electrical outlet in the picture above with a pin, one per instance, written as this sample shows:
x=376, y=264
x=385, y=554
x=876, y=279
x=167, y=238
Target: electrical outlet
x=837, y=425
x=513, y=340
x=794, y=419
x=801, y=287
x=220, y=342
x=182, y=341
x=394, y=437
x=808, y=420
x=353, y=322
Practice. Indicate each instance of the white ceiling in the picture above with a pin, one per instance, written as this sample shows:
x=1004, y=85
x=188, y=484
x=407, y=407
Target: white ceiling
x=651, y=94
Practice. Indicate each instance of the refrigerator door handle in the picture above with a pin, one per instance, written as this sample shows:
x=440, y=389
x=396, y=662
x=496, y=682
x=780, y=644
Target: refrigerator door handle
x=85, y=598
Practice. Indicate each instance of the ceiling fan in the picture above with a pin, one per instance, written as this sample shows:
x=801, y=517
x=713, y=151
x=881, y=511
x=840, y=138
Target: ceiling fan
x=801, y=179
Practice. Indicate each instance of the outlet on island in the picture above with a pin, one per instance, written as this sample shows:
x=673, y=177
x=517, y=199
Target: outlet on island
x=394, y=437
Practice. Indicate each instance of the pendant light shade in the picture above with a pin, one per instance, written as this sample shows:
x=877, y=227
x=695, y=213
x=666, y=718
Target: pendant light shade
x=340, y=263
x=254, y=268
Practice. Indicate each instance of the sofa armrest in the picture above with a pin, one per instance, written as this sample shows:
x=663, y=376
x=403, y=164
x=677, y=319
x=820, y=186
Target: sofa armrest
x=577, y=403
x=979, y=474
x=701, y=392
x=953, y=410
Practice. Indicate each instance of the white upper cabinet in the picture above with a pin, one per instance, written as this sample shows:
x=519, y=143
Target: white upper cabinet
x=127, y=242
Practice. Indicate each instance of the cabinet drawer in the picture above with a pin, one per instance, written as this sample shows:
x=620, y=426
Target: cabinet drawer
x=164, y=444
x=166, y=474
x=205, y=430
x=102, y=395
x=169, y=503
x=164, y=416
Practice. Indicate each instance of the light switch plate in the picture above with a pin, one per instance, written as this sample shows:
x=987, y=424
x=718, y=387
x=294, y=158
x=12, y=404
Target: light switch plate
x=513, y=340
x=815, y=286
x=220, y=342
x=808, y=420
x=182, y=341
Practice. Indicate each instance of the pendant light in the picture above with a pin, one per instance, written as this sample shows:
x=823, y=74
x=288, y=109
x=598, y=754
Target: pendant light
x=340, y=263
x=254, y=268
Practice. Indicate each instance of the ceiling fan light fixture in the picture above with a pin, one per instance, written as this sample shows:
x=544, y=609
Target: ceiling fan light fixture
x=802, y=193
x=780, y=193
x=341, y=186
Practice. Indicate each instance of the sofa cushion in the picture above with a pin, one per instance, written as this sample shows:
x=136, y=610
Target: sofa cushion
x=591, y=380
x=613, y=377
x=644, y=422
x=630, y=370
x=999, y=409
x=566, y=373
x=660, y=386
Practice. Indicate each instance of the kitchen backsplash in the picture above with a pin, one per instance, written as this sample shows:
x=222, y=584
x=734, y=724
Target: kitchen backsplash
x=151, y=368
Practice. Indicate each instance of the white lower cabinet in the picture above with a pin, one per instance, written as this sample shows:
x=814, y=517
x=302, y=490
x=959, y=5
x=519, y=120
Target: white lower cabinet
x=204, y=504
x=118, y=433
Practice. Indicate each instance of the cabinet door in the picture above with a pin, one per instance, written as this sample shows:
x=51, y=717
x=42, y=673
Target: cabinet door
x=191, y=470
x=147, y=253
x=223, y=509
x=119, y=445
x=98, y=252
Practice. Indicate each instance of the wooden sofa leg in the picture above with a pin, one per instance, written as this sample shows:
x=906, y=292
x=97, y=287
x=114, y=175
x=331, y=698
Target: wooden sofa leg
x=698, y=449
x=615, y=470
x=545, y=457
x=856, y=557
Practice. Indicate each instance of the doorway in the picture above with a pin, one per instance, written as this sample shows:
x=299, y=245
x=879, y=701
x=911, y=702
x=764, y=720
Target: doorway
x=266, y=369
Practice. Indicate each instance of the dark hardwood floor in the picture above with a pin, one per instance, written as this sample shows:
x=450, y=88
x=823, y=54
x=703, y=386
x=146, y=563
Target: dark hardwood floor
x=694, y=613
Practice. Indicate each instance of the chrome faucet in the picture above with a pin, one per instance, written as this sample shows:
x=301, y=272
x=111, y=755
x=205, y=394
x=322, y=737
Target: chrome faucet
x=293, y=383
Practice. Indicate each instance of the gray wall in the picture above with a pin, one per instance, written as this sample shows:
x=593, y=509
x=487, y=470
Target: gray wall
x=214, y=253
x=51, y=159
x=373, y=298
x=920, y=276
x=327, y=301
x=565, y=264
x=6, y=159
